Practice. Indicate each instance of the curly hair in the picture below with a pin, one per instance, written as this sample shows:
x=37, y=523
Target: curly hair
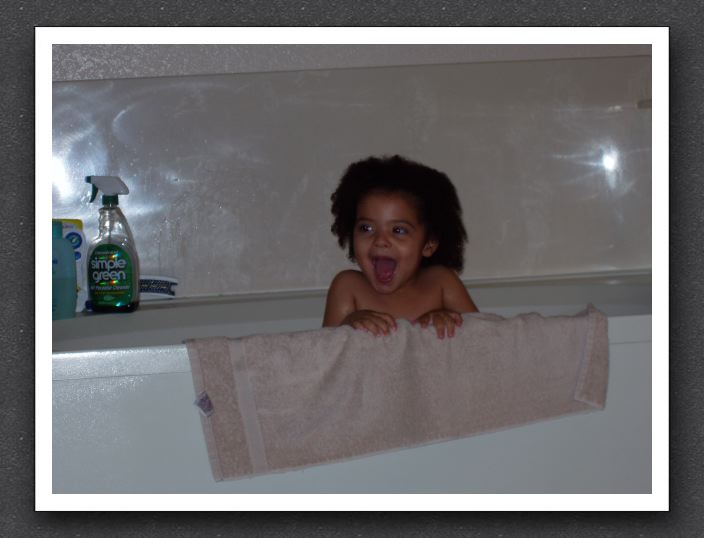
x=436, y=198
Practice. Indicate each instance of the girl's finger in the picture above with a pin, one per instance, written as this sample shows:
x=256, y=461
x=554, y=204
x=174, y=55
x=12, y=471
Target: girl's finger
x=439, y=323
x=366, y=325
x=373, y=327
x=449, y=322
x=381, y=324
x=360, y=325
x=390, y=321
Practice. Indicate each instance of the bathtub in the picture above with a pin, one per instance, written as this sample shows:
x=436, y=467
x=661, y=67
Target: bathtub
x=124, y=420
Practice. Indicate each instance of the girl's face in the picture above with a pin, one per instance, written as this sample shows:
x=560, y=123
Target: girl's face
x=389, y=240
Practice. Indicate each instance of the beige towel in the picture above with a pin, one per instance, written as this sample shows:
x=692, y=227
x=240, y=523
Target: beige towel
x=285, y=401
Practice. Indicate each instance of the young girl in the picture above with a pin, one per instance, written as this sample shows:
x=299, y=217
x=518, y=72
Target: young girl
x=401, y=222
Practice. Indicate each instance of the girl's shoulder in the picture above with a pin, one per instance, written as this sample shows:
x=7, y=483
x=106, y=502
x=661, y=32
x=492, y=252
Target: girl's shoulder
x=440, y=273
x=348, y=275
x=442, y=277
x=348, y=280
x=454, y=293
x=342, y=296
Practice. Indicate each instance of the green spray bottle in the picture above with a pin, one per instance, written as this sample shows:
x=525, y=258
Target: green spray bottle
x=113, y=265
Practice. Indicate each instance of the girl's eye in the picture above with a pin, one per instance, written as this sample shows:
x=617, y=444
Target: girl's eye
x=400, y=230
x=365, y=228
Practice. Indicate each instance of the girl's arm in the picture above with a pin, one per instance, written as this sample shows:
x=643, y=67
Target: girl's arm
x=340, y=300
x=455, y=296
x=455, y=302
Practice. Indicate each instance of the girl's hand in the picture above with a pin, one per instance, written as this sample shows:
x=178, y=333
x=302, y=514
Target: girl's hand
x=442, y=319
x=368, y=320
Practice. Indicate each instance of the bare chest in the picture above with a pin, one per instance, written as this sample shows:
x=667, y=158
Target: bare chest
x=408, y=304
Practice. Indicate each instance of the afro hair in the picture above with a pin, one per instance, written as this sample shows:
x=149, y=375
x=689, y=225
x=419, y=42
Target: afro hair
x=435, y=197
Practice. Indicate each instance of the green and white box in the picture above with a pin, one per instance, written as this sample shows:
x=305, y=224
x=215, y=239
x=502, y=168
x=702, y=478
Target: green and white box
x=73, y=231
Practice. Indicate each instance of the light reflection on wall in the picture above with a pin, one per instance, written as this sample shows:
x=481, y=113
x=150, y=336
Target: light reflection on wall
x=610, y=160
x=602, y=161
x=59, y=178
x=69, y=188
x=612, y=167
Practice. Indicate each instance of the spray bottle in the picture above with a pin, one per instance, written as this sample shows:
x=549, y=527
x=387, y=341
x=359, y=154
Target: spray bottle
x=113, y=265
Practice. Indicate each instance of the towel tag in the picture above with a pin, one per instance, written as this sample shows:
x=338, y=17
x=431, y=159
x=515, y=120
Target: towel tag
x=204, y=404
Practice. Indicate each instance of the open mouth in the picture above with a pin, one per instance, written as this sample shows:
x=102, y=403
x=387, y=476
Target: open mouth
x=384, y=269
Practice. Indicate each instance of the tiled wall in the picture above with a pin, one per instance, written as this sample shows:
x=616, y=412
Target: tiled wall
x=231, y=175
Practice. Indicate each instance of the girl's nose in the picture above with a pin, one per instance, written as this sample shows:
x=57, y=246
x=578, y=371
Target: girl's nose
x=381, y=239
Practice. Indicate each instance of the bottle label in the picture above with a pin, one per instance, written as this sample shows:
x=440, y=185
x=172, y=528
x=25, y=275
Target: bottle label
x=110, y=276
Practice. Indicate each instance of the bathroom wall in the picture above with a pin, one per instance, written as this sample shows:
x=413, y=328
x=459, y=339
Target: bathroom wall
x=96, y=61
x=231, y=174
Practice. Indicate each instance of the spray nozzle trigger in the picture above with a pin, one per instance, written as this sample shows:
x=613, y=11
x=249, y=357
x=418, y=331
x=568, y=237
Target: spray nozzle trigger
x=110, y=185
